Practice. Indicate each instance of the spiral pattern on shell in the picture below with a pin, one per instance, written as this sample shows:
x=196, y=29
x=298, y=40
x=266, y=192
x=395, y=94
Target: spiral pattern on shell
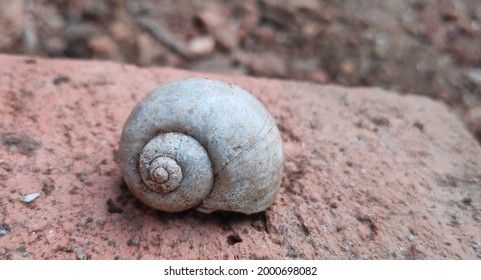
x=202, y=143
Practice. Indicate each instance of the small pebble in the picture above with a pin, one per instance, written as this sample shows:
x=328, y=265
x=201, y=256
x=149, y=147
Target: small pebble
x=411, y=237
x=30, y=197
x=475, y=75
x=202, y=46
x=4, y=229
x=81, y=254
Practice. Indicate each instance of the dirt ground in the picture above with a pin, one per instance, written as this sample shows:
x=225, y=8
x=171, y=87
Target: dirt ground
x=430, y=48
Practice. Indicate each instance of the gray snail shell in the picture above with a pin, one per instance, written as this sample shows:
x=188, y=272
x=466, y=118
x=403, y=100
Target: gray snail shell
x=202, y=143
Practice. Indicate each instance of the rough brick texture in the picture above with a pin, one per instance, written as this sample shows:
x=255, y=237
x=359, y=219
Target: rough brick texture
x=369, y=174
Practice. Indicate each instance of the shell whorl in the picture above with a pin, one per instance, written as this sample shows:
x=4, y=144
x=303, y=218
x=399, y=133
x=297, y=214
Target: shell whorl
x=177, y=170
x=162, y=174
x=242, y=146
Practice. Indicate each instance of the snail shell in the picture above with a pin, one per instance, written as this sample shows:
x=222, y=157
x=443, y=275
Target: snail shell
x=202, y=143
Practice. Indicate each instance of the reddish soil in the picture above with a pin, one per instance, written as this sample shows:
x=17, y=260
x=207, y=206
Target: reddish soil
x=369, y=174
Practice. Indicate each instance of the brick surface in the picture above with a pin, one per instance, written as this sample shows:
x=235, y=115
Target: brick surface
x=369, y=174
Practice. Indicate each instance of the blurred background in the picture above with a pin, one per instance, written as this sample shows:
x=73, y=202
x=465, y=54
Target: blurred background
x=422, y=47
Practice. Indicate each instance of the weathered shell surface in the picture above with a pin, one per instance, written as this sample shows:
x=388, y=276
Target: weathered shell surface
x=177, y=151
x=240, y=137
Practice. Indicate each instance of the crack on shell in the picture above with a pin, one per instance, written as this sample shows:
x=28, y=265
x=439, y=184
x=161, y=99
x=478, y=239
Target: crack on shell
x=250, y=146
